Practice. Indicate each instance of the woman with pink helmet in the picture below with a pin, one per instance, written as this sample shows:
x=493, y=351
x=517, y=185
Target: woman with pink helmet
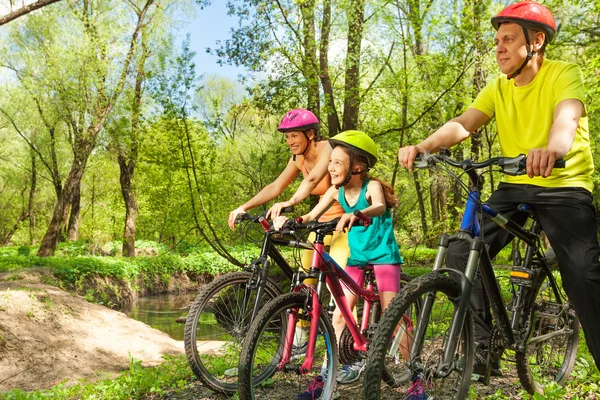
x=310, y=156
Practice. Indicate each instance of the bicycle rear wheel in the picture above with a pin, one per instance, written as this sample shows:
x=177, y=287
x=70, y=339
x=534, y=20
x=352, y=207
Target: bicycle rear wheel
x=551, y=349
x=263, y=348
x=215, y=326
x=385, y=360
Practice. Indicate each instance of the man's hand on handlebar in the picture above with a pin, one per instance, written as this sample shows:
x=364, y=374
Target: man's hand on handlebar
x=407, y=155
x=540, y=162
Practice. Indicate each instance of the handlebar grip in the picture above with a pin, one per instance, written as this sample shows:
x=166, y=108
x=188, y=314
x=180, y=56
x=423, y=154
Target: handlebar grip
x=360, y=215
x=560, y=164
x=241, y=217
x=287, y=210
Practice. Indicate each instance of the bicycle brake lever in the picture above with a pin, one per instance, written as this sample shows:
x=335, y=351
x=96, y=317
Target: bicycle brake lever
x=514, y=166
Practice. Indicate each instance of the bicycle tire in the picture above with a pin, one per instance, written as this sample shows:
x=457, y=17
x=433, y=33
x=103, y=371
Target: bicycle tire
x=399, y=377
x=213, y=303
x=262, y=349
x=553, y=359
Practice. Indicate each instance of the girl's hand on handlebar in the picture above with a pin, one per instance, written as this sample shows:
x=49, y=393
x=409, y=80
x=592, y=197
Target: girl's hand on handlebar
x=346, y=221
x=275, y=210
x=407, y=155
x=279, y=221
x=233, y=215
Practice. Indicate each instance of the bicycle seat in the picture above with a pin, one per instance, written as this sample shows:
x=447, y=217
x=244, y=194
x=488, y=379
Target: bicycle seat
x=368, y=267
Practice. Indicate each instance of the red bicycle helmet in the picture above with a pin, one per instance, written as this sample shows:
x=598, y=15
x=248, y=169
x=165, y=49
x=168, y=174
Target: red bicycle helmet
x=529, y=14
x=298, y=119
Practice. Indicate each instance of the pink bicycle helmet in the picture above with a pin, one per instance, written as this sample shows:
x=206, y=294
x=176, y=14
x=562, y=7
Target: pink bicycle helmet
x=298, y=119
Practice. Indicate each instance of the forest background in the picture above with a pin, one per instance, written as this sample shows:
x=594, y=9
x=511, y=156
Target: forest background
x=113, y=143
x=109, y=135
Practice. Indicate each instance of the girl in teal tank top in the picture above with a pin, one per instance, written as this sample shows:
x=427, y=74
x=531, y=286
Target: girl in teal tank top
x=354, y=153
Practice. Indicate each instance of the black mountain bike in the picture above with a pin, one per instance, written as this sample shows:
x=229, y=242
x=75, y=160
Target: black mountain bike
x=228, y=305
x=536, y=328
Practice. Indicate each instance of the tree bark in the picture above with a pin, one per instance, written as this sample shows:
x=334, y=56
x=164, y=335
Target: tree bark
x=356, y=16
x=126, y=177
x=128, y=158
x=307, y=10
x=333, y=121
x=25, y=10
x=421, y=201
x=31, y=202
x=52, y=236
x=73, y=226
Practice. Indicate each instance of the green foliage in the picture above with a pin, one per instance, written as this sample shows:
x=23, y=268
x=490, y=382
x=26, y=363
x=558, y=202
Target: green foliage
x=172, y=375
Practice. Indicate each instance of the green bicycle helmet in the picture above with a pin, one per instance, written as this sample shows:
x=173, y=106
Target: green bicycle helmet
x=358, y=144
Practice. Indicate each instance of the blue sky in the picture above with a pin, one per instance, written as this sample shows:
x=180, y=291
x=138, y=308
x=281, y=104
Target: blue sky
x=211, y=24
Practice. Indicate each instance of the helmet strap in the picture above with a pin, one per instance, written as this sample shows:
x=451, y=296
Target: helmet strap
x=349, y=176
x=530, y=55
x=308, y=143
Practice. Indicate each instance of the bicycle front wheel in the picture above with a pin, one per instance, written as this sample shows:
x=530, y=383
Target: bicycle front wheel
x=553, y=337
x=263, y=348
x=408, y=369
x=215, y=326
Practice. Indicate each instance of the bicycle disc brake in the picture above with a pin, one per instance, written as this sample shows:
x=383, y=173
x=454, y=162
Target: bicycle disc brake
x=347, y=354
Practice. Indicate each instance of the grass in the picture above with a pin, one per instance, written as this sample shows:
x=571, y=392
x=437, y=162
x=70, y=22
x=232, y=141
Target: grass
x=173, y=374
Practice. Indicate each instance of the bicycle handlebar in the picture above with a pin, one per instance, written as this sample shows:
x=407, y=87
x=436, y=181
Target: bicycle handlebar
x=325, y=227
x=260, y=218
x=510, y=165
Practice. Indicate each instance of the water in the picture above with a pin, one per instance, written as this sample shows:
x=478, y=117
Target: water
x=162, y=311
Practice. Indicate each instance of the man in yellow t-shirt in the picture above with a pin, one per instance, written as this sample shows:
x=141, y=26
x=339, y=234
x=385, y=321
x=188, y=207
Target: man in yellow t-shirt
x=539, y=111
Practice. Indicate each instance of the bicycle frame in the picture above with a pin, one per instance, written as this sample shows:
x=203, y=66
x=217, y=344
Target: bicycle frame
x=259, y=268
x=470, y=231
x=327, y=271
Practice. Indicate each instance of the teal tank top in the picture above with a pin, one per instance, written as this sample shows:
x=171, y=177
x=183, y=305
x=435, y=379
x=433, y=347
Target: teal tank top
x=373, y=244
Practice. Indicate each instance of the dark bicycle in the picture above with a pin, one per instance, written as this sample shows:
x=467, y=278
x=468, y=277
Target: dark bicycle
x=536, y=328
x=228, y=305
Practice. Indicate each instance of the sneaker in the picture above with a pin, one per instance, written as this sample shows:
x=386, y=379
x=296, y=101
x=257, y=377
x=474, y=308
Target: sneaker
x=314, y=390
x=417, y=389
x=350, y=373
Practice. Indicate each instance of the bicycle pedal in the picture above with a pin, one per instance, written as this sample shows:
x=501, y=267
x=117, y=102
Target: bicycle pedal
x=521, y=276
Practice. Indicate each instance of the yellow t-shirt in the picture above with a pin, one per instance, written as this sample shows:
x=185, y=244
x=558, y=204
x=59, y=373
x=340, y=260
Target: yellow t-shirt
x=524, y=115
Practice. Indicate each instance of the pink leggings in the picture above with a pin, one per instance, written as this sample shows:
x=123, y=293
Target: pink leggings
x=387, y=276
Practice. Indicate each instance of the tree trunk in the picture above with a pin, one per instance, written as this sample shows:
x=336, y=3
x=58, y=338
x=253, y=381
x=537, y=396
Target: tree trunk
x=356, y=16
x=125, y=178
x=73, y=226
x=421, y=201
x=31, y=202
x=52, y=236
x=333, y=121
x=307, y=9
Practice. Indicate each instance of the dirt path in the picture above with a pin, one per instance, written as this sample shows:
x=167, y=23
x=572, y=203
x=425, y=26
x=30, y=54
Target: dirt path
x=48, y=335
